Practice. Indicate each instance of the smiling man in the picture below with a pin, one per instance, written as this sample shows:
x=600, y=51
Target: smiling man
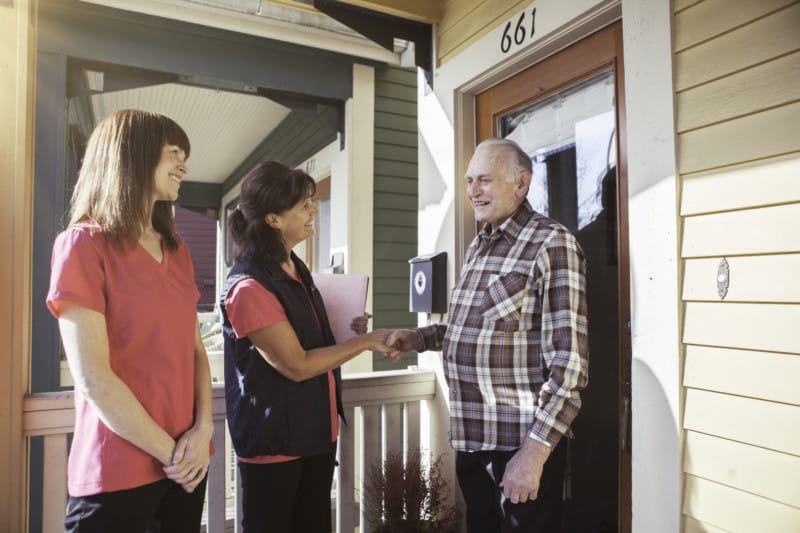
x=515, y=350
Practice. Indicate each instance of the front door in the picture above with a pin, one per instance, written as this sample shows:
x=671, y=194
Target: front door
x=567, y=113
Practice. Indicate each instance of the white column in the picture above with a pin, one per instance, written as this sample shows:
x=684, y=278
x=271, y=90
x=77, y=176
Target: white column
x=352, y=198
x=654, y=265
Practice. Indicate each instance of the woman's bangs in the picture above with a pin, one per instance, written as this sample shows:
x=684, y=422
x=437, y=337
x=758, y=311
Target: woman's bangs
x=174, y=134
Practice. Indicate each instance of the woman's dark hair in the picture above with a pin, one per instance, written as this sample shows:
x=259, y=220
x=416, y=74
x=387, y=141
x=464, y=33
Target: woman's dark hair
x=271, y=187
x=116, y=179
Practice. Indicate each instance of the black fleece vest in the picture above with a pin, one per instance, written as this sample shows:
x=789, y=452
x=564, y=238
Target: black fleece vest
x=269, y=414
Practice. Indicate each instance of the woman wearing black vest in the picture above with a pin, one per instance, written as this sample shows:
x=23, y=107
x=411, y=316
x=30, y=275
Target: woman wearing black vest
x=282, y=376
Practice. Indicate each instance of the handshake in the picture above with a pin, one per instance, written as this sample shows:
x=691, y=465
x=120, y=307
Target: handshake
x=397, y=342
x=392, y=343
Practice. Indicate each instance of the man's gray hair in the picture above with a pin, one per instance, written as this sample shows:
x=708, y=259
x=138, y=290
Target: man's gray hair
x=508, y=154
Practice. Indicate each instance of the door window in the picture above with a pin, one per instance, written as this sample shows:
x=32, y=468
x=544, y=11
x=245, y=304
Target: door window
x=571, y=140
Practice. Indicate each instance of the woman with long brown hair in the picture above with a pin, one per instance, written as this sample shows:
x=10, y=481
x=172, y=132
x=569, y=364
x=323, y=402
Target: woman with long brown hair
x=122, y=287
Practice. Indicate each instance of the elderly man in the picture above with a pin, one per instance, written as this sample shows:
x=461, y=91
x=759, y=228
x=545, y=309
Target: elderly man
x=515, y=350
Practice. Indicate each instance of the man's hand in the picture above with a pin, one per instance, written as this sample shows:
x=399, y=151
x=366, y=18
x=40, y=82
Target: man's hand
x=190, y=459
x=359, y=323
x=402, y=341
x=524, y=471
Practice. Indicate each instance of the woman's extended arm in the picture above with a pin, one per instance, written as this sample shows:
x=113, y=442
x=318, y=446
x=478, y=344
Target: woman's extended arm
x=85, y=338
x=279, y=345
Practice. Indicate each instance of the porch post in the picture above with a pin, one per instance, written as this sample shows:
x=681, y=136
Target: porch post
x=357, y=189
x=18, y=25
x=654, y=240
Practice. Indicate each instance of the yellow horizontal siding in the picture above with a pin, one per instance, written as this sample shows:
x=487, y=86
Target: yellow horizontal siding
x=747, y=468
x=711, y=18
x=749, y=231
x=745, y=47
x=680, y=5
x=692, y=525
x=466, y=21
x=758, y=136
x=767, y=327
x=761, y=183
x=770, y=84
x=760, y=375
x=737, y=511
x=419, y=10
x=759, y=278
x=771, y=425
x=737, y=73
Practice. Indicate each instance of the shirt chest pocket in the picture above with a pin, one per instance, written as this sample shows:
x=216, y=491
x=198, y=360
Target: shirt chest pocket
x=502, y=301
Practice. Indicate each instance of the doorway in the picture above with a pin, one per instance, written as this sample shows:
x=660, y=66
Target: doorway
x=567, y=112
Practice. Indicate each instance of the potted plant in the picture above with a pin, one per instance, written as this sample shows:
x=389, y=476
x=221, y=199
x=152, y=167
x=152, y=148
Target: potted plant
x=408, y=496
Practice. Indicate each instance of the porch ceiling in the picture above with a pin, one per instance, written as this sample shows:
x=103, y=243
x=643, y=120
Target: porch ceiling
x=225, y=127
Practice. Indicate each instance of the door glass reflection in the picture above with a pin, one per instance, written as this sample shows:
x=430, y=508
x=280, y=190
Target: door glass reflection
x=570, y=138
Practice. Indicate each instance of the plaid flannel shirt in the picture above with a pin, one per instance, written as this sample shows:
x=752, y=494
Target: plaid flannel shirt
x=515, y=346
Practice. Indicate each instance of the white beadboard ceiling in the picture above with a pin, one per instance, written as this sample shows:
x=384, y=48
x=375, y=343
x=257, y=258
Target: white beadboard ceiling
x=223, y=127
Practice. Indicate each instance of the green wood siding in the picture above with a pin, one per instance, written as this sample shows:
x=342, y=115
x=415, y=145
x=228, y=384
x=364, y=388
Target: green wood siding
x=299, y=136
x=387, y=184
x=397, y=138
x=395, y=200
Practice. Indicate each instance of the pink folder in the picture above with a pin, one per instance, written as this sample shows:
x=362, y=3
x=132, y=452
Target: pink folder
x=345, y=297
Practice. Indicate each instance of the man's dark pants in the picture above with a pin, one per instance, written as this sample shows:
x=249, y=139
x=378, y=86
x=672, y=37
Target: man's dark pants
x=479, y=476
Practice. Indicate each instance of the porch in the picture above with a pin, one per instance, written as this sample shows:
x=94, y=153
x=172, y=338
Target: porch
x=388, y=412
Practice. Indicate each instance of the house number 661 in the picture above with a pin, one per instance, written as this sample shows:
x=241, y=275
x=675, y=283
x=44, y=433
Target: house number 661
x=519, y=33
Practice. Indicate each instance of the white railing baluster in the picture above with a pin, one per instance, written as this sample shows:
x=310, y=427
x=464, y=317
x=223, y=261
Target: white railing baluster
x=392, y=429
x=54, y=481
x=411, y=427
x=345, y=475
x=216, y=470
x=370, y=455
x=237, y=527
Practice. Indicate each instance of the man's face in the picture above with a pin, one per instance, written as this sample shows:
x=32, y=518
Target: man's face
x=492, y=196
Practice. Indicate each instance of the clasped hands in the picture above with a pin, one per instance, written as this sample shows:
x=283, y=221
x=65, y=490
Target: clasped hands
x=392, y=343
x=190, y=458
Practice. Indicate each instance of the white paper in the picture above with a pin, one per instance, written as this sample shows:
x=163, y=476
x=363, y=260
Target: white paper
x=345, y=297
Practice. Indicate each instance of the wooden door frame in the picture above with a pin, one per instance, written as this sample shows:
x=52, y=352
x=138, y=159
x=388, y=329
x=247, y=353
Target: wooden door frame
x=594, y=53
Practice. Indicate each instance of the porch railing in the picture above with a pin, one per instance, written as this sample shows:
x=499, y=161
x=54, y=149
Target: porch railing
x=383, y=410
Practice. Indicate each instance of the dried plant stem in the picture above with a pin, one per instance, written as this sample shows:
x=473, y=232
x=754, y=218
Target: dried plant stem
x=408, y=496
